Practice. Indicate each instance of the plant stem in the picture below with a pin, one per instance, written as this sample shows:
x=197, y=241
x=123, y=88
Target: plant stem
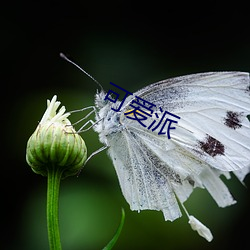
x=54, y=177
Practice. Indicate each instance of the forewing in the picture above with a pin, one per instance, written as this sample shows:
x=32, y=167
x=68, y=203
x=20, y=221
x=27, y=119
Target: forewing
x=212, y=108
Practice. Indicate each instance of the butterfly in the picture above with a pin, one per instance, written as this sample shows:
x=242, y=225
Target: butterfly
x=211, y=139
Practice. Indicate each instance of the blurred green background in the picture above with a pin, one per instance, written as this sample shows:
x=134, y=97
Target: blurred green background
x=132, y=45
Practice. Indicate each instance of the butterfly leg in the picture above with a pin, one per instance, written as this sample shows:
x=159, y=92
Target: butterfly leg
x=92, y=154
x=86, y=116
x=96, y=152
x=81, y=129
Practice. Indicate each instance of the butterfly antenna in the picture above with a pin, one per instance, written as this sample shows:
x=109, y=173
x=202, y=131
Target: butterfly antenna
x=68, y=60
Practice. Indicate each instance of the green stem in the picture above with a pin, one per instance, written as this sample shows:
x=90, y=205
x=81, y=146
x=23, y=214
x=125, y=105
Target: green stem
x=54, y=177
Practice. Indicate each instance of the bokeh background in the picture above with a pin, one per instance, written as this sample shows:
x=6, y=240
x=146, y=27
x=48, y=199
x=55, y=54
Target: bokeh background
x=131, y=44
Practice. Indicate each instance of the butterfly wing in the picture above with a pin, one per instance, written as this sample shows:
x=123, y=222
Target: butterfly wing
x=211, y=138
x=214, y=108
x=143, y=186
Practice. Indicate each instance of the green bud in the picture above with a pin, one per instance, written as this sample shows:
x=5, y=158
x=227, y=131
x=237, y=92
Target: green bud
x=55, y=144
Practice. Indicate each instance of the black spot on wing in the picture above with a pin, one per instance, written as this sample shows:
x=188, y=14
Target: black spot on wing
x=212, y=146
x=233, y=119
x=191, y=181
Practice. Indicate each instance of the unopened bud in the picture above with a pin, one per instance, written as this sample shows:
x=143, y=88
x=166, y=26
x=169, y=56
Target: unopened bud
x=55, y=143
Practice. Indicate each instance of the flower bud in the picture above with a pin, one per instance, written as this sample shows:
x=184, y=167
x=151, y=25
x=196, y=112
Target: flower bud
x=55, y=144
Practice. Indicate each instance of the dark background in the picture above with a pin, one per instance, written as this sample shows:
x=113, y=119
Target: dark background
x=131, y=44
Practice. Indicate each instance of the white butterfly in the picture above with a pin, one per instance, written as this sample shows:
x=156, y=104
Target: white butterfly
x=212, y=138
